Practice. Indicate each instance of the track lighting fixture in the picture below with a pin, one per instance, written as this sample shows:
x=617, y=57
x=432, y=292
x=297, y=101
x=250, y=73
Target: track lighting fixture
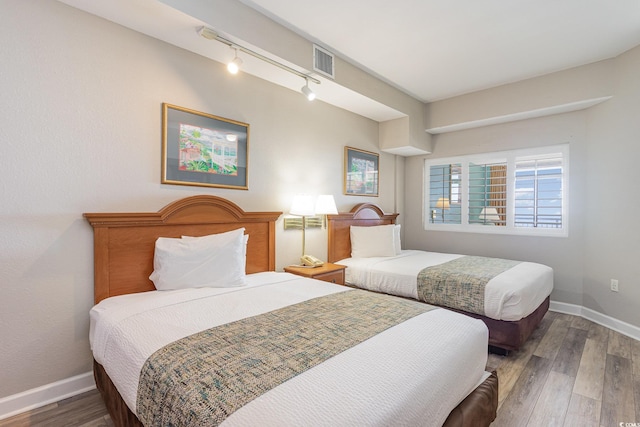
x=306, y=91
x=234, y=66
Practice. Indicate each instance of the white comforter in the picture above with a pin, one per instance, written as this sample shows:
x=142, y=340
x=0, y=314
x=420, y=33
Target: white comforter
x=511, y=295
x=411, y=374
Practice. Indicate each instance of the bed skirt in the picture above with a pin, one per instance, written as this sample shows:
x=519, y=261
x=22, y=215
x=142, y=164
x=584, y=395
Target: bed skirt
x=478, y=409
x=510, y=335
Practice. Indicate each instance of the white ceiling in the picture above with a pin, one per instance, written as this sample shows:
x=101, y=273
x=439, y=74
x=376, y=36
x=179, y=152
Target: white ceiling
x=430, y=49
x=435, y=49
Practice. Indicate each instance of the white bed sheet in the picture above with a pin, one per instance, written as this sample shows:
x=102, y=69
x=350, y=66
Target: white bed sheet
x=511, y=295
x=378, y=382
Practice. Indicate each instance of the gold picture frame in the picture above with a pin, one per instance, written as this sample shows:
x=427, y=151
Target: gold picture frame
x=203, y=150
x=361, y=172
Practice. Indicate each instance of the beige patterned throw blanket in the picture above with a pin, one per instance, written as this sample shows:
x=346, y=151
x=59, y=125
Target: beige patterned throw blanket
x=201, y=379
x=460, y=283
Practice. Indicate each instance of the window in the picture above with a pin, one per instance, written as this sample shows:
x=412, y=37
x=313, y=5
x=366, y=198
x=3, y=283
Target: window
x=538, y=193
x=488, y=193
x=445, y=196
x=514, y=192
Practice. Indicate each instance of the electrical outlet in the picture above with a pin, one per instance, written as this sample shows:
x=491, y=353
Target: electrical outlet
x=614, y=285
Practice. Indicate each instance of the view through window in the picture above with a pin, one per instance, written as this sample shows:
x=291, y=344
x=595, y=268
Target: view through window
x=519, y=192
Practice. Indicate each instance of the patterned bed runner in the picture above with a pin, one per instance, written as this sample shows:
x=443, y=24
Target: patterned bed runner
x=460, y=283
x=203, y=378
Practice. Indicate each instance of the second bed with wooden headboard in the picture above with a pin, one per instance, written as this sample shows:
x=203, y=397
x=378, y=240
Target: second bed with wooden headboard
x=239, y=355
x=515, y=301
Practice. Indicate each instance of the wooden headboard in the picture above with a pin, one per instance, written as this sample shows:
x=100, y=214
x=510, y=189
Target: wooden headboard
x=124, y=243
x=362, y=215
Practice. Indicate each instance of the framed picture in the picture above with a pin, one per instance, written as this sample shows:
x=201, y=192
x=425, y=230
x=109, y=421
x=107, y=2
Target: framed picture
x=203, y=149
x=360, y=172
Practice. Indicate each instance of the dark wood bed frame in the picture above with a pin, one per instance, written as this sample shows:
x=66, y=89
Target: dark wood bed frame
x=123, y=260
x=504, y=335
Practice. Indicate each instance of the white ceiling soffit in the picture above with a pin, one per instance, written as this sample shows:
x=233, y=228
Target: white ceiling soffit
x=436, y=49
x=541, y=112
x=158, y=20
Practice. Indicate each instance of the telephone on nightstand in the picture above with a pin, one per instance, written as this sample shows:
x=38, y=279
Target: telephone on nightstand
x=310, y=261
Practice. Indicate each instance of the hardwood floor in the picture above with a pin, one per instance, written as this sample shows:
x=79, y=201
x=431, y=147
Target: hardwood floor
x=571, y=372
x=86, y=410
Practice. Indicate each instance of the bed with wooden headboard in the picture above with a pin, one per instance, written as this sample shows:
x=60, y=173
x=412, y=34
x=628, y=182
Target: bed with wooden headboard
x=124, y=242
x=503, y=335
x=123, y=260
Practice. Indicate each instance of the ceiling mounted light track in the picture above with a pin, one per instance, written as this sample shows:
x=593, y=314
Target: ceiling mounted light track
x=210, y=34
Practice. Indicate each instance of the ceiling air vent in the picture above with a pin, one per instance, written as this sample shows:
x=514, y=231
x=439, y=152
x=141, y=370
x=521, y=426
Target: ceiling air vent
x=323, y=61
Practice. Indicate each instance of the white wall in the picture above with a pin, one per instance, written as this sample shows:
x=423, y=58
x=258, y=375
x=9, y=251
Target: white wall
x=603, y=240
x=80, y=132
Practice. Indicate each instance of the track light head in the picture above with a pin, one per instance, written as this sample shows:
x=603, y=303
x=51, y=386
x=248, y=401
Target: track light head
x=234, y=66
x=306, y=91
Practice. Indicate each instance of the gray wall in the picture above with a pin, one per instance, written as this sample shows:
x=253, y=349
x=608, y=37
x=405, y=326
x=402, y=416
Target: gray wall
x=81, y=121
x=612, y=234
x=563, y=254
x=603, y=231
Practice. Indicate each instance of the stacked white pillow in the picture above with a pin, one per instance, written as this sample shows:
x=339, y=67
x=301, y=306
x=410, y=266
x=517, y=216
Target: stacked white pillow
x=216, y=260
x=375, y=241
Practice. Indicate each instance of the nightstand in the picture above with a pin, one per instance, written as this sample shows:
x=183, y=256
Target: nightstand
x=328, y=272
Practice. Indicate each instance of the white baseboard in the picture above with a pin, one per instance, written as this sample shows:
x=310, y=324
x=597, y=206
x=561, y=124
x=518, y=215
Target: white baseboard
x=46, y=394
x=54, y=392
x=599, y=318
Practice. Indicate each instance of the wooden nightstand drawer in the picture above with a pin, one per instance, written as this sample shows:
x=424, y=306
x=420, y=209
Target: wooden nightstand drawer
x=333, y=277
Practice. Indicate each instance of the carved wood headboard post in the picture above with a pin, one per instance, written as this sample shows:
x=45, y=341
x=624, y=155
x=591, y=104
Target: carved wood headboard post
x=124, y=243
x=338, y=227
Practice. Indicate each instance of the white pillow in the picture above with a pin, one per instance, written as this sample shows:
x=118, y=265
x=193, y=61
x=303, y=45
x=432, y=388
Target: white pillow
x=210, y=261
x=373, y=241
x=213, y=236
x=396, y=239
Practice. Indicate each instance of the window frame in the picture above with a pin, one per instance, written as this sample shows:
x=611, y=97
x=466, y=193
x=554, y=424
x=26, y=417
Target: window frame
x=510, y=156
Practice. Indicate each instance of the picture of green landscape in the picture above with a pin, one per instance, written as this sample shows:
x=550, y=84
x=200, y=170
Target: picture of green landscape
x=208, y=150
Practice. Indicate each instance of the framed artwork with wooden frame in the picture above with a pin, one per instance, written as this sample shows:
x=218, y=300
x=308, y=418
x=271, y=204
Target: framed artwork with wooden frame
x=361, y=177
x=204, y=150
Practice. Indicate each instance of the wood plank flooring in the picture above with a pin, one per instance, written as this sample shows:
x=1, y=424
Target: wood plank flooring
x=86, y=410
x=571, y=372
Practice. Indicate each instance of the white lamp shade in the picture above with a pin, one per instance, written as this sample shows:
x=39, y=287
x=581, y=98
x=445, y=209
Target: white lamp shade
x=302, y=205
x=326, y=205
x=442, y=203
x=489, y=214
